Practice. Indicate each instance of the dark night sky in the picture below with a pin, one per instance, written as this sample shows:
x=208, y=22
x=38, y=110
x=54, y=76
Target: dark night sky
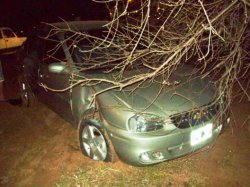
x=24, y=14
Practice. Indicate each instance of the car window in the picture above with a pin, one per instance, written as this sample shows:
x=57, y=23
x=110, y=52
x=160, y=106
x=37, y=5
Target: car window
x=8, y=33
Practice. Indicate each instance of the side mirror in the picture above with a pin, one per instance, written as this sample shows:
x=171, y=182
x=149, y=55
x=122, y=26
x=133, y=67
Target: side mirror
x=59, y=68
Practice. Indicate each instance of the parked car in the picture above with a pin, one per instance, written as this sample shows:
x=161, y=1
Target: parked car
x=9, y=41
x=152, y=124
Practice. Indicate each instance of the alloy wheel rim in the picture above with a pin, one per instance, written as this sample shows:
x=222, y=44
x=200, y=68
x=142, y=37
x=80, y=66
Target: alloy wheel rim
x=94, y=143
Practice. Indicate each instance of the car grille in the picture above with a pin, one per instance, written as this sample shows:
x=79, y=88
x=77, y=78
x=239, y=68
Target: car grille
x=195, y=117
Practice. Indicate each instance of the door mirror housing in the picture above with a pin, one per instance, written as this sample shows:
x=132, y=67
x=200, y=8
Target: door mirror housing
x=59, y=68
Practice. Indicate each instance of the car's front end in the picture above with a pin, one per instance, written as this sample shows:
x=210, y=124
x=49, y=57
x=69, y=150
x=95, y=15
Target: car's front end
x=148, y=126
x=144, y=145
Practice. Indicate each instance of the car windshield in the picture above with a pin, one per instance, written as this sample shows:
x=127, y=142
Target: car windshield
x=89, y=52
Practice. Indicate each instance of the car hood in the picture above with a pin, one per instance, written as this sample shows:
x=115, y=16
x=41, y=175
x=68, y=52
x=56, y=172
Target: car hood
x=185, y=91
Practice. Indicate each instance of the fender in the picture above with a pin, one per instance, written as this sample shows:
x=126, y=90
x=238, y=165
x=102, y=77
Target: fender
x=81, y=103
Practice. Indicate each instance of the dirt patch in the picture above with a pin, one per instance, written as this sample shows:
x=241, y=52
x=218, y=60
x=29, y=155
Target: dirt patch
x=36, y=145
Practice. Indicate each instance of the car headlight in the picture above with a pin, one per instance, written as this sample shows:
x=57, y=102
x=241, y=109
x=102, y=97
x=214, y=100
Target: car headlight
x=145, y=123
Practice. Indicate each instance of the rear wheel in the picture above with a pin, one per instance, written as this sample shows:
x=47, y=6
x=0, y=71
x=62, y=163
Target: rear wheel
x=94, y=143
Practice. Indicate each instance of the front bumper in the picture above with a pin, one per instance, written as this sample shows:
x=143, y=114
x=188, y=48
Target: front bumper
x=150, y=148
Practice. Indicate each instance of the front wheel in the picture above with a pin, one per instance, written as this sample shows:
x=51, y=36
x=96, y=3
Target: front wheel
x=94, y=143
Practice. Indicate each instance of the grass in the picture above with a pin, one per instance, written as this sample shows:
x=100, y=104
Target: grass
x=226, y=160
x=105, y=175
x=195, y=181
x=108, y=177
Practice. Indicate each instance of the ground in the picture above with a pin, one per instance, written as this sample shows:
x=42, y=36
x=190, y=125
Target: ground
x=38, y=148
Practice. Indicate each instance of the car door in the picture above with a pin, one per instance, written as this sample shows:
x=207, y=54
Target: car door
x=58, y=97
x=32, y=58
x=10, y=38
x=2, y=41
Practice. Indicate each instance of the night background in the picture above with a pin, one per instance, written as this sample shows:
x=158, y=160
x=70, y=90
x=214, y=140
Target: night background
x=23, y=15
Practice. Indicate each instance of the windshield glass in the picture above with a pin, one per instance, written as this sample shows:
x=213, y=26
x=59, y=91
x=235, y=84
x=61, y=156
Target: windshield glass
x=90, y=52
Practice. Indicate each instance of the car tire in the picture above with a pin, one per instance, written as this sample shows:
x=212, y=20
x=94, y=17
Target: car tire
x=94, y=142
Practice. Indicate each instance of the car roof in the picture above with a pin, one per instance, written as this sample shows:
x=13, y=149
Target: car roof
x=80, y=25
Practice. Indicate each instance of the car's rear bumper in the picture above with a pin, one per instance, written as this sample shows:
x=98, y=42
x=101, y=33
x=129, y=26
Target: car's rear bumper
x=145, y=149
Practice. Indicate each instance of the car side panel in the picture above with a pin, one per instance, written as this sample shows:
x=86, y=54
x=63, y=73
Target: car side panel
x=82, y=103
x=2, y=42
x=59, y=99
